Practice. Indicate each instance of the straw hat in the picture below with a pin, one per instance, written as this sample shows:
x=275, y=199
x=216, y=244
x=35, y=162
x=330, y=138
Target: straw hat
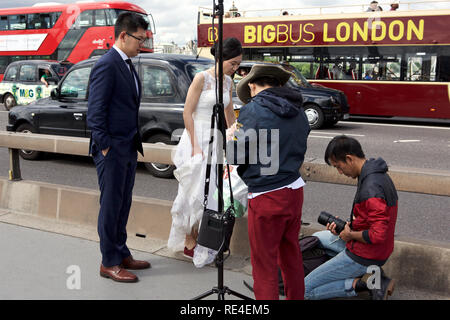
x=259, y=71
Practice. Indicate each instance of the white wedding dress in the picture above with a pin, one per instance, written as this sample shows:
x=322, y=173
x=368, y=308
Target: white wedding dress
x=187, y=209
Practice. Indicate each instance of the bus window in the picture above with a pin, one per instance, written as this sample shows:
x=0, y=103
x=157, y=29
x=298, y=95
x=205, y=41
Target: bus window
x=112, y=15
x=4, y=61
x=149, y=22
x=17, y=58
x=39, y=21
x=444, y=68
x=305, y=68
x=421, y=67
x=4, y=23
x=393, y=69
x=341, y=67
x=85, y=19
x=54, y=17
x=100, y=18
x=369, y=68
x=18, y=22
x=381, y=68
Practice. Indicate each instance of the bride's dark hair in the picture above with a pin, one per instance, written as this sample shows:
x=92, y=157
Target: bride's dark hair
x=231, y=48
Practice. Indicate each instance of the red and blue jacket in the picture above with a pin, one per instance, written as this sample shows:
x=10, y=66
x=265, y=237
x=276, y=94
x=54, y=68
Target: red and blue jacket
x=375, y=213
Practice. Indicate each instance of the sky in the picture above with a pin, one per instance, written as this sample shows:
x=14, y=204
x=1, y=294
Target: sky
x=176, y=20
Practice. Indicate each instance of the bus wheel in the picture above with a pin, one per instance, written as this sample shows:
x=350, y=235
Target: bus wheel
x=160, y=170
x=9, y=101
x=28, y=154
x=314, y=115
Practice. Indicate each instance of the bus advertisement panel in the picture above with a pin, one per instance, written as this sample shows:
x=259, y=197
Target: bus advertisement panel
x=387, y=63
x=367, y=31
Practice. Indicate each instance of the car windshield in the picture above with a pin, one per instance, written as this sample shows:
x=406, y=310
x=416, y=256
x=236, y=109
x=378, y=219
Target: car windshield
x=298, y=78
x=195, y=67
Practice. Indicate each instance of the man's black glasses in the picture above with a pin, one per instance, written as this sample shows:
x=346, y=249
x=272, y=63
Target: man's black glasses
x=141, y=41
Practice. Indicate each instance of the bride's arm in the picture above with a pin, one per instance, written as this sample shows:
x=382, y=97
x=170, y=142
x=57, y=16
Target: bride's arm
x=193, y=95
x=229, y=110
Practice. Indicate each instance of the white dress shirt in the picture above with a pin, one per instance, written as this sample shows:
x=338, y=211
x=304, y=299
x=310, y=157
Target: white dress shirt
x=125, y=57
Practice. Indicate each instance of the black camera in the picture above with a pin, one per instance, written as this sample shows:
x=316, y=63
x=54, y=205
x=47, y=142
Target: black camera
x=325, y=217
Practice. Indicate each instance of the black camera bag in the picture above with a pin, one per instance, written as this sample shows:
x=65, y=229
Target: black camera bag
x=312, y=255
x=216, y=228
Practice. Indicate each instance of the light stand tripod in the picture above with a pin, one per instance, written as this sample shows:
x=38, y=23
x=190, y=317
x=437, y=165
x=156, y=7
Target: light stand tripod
x=219, y=118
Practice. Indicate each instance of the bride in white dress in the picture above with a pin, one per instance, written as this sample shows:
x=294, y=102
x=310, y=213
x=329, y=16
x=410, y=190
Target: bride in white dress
x=190, y=156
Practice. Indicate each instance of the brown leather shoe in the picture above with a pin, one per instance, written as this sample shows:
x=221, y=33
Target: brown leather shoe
x=118, y=274
x=130, y=263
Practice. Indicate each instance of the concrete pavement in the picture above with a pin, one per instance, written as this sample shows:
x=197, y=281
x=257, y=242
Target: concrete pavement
x=45, y=259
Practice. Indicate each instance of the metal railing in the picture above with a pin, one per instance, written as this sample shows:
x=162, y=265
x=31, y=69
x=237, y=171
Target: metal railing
x=353, y=8
x=433, y=182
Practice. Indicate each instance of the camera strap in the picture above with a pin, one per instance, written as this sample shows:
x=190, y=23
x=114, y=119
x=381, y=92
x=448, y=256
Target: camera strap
x=216, y=227
x=208, y=163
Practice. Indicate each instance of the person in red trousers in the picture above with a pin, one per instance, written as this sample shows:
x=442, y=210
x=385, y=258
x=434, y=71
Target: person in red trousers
x=269, y=148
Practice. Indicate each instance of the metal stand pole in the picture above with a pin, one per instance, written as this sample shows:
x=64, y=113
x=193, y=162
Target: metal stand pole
x=220, y=118
x=14, y=165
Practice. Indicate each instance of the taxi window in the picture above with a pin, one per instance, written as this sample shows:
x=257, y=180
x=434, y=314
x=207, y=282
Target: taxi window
x=75, y=85
x=156, y=82
x=27, y=73
x=11, y=74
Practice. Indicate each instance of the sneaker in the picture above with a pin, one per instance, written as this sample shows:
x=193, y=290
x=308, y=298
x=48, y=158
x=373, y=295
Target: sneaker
x=387, y=288
x=188, y=253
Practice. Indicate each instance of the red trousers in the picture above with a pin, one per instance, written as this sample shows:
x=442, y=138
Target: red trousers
x=274, y=220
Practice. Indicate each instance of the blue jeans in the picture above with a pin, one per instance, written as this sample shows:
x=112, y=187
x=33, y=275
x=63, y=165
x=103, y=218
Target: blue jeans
x=335, y=277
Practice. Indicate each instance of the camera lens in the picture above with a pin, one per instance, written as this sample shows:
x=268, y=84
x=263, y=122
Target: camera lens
x=325, y=217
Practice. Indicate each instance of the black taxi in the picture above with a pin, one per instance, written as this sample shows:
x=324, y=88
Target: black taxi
x=165, y=81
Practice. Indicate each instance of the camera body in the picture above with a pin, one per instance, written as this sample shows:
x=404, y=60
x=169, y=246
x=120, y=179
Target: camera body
x=325, y=217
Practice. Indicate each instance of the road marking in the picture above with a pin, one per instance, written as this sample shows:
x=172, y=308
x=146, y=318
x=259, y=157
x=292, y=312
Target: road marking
x=336, y=133
x=399, y=125
x=323, y=137
x=395, y=141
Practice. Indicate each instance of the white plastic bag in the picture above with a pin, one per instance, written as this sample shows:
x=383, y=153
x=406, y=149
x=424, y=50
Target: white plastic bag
x=240, y=191
x=203, y=256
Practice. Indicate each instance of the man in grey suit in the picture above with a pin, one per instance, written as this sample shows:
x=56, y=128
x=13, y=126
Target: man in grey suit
x=112, y=117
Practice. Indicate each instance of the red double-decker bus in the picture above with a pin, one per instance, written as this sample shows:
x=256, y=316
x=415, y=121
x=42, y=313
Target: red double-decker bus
x=388, y=63
x=65, y=32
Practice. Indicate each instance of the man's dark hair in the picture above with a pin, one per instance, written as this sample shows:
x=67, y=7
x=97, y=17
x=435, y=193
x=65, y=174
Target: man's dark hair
x=341, y=146
x=129, y=22
x=266, y=81
x=374, y=2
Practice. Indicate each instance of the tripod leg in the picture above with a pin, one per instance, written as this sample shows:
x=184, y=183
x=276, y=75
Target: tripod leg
x=237, y=294
x=206, y=294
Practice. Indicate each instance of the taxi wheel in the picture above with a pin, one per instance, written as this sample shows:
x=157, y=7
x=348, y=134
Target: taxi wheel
x=315, y=116
x=160, y=170
x=9, y=101
x=28, y=154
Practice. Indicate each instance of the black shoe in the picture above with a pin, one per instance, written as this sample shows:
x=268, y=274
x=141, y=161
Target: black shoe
x=387, y=288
